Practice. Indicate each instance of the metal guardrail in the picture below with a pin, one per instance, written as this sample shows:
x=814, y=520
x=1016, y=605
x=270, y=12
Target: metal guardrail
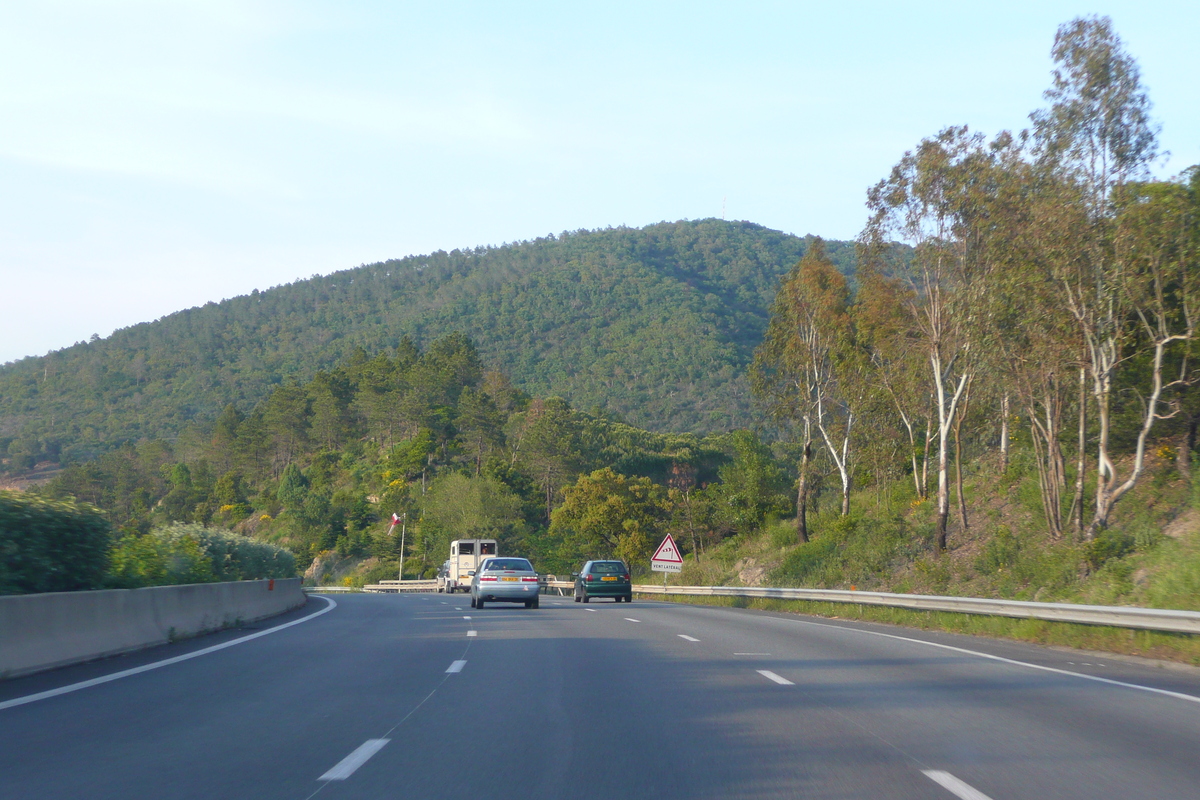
x=1150, y=619
x=402, y=586
x=1153, y=619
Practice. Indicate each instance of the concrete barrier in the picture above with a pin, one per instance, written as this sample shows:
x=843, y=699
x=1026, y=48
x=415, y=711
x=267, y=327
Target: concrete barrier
x=43, y=631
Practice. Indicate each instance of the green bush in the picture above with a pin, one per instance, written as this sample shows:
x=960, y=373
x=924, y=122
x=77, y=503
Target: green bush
x=233, y=557
x=151, y=560
x=192, y=553
x=1001, y=551
x=383, y=571
x=807, y=564
x=1107, y=545
x=783, y=534
x=51, y=546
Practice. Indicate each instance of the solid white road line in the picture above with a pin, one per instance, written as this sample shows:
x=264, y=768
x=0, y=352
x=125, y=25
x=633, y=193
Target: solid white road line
x=456, y=666
x=346, y=767
x=631, y=619
x=964, y=791
x=689, y=638
x=766, y=673
x=74, y=687
x=471, y=633
x=1167, y=693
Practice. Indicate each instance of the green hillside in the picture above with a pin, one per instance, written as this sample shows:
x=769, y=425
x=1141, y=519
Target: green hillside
x=653, y=325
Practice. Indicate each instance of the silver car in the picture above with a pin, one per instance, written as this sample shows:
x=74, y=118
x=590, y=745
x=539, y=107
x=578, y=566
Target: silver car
x=506, y=580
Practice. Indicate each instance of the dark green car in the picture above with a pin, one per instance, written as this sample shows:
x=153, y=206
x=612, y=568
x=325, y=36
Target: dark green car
x=603, y=579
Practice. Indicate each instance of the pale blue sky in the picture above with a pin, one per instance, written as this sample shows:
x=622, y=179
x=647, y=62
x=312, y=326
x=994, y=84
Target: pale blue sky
x=158, y=155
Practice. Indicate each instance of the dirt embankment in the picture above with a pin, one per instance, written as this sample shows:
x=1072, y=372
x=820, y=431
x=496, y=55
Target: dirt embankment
x=41, y=474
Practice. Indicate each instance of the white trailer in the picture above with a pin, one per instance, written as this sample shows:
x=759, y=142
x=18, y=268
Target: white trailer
x=465, y=557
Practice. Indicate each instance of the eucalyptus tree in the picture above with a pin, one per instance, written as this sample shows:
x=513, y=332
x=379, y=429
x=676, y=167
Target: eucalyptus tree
x=797, y=374
x=1097, y=137
x=1158, y=281
x=1023, y=335
x=925, y=203
x=889, y=336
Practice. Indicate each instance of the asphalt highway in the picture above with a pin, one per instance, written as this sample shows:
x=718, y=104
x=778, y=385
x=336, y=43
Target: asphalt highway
x=421, y=696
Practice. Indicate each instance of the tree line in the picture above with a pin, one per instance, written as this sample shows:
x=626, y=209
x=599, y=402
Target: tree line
x=454, y=448
x=1052, y=282
x=654, y=324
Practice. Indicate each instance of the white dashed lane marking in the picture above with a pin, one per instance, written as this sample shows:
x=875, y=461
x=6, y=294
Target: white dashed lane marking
x=766, y=673
x=631, y=619
x=456, y=666
x=346, y=767
x=689, y=638
x=471, y=633
x=963, y=791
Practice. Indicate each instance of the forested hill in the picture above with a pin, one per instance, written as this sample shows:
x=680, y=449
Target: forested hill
x=655, y=325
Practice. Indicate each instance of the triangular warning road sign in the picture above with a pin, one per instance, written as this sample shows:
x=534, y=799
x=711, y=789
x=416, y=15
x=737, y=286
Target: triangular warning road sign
x=667, y=551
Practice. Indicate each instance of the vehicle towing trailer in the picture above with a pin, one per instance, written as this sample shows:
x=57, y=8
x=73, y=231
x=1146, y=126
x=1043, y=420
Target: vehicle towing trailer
x=465, y=557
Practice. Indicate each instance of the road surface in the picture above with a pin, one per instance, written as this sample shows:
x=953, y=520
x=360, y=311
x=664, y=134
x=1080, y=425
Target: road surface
x=421, y=696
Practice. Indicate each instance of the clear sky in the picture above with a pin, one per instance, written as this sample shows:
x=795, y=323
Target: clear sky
x=157, y=155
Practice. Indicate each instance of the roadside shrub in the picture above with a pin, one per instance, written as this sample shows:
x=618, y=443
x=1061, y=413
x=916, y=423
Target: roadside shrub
x=51, y=545
x=383, y=571
x=233, y=557
x=151, y=560
x=783, y=534
x=1001, y=551
x=1107, y=545
x=805, y=565
x=192, y=553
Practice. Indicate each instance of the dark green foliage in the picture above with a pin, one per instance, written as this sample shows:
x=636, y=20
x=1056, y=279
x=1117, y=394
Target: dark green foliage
x=51, y=546
x=656, y=325
x=150, y=560
x=427, y=434
x=1109, y=544
x=845, y=551
x=293, y=488
x=233, y=557
x=1001, y=552
x=752, y=487
x=383, y=571
x=191, y=553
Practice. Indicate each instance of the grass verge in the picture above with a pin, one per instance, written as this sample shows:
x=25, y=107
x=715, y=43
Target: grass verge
x=1181, y=647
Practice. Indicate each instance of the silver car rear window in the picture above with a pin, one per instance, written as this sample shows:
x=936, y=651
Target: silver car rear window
x=520, y=564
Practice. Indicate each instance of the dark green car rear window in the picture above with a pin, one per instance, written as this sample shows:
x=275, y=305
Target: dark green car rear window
x=608, y=567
